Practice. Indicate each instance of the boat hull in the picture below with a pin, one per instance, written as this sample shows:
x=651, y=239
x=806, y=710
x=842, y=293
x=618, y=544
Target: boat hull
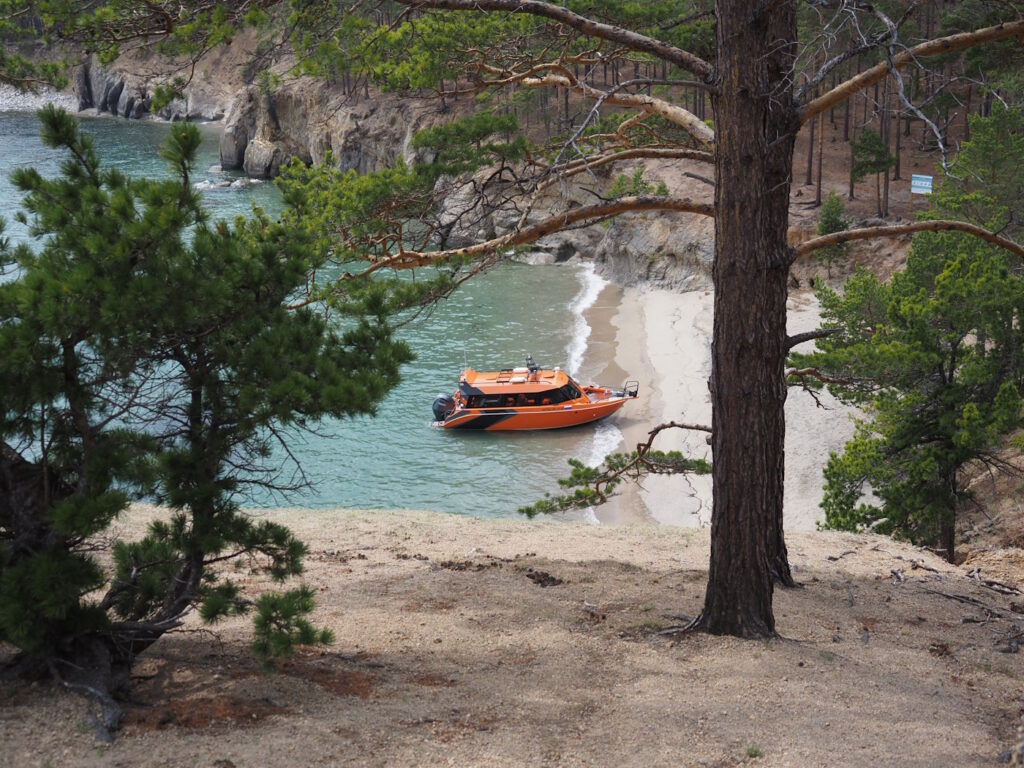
x=532, y=418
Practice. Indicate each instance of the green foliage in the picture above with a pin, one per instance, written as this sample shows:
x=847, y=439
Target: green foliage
x=987, y=178
x=147, y=352
x=595, y=485
x=41, y=599
x=468, y=144
x=349, y=218
x=933, y=358
x=636, y=185
x=832, y=219
x=280, y=624
x=21, y=71
x=870, y=155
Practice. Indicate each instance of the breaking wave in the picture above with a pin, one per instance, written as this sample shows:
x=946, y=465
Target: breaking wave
x=593, y=283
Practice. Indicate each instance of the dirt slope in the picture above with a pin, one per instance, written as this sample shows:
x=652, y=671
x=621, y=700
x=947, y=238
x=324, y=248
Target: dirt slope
x=451, y=650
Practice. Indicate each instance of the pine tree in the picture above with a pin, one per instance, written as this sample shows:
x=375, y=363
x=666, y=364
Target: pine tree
x=870, y=155
x=832, y=219
x=933, y=357
x=144, y=351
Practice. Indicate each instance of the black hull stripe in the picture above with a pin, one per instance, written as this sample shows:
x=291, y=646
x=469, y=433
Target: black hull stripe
x=483, y=421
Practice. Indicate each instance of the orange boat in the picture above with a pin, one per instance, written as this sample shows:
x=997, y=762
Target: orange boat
x=526, y=398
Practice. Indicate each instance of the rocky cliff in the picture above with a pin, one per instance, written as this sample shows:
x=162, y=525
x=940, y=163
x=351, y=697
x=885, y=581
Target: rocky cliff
x=307, y=119
x=125, y=88
x=669, y=250
x=368, y=131
x=263, y=127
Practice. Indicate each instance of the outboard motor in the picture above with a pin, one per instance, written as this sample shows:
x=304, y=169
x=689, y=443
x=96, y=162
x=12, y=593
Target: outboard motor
x=443, y=407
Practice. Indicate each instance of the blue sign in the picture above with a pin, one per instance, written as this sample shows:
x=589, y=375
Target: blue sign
x=920, y=185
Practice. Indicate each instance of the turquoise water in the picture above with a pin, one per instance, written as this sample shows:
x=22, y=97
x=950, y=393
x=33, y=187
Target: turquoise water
x=131, y=146
x=396, y=459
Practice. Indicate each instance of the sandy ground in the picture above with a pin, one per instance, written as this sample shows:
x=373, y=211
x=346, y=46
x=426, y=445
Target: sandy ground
x=663, y=340
x=451, y=651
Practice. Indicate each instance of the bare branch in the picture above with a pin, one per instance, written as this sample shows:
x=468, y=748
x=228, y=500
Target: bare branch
x=801, y=338
x=929, y=48
x=814, y=373
x=637, y=153
x=589, y=213
x=939, y=225
x=698, y=177
x=674, y=114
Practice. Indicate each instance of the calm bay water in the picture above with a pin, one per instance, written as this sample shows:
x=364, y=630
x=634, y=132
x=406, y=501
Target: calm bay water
x=130, y=146
x=395, y=459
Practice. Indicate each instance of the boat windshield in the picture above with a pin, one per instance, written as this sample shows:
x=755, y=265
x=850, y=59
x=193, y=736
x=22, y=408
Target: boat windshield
x=524, y=399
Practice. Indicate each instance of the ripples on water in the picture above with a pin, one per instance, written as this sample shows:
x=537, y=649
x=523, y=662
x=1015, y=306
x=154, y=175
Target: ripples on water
x=395, y=459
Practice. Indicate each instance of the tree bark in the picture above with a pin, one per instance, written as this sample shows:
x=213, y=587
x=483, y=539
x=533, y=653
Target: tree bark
x=821, y=152
x=886, y=131
x=897, y=169
x=754, y=161
x=809, y=176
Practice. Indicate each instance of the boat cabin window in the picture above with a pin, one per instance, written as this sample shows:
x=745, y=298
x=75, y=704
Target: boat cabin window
x=550, y=397
x=560, y=395
x=571, y=392
x=484, y=401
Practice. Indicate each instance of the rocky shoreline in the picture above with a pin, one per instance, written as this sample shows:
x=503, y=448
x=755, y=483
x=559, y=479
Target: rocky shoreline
x=366, y=131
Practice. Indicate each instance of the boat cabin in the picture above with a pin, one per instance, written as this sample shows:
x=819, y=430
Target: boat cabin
x=516, y=387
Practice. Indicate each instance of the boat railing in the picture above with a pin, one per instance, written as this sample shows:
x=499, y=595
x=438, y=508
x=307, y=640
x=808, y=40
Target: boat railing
x=631, y=388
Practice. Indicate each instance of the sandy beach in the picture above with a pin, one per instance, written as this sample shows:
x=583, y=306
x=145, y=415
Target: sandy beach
x=663, y=340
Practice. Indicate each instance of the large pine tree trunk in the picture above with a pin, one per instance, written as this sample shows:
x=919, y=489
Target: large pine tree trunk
x=755, y=136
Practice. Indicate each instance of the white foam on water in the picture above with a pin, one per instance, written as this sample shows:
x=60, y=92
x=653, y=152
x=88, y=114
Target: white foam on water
x=592, y=286
x=606, y=439
x=206, y=185
x=13, y=100
x=606, y=436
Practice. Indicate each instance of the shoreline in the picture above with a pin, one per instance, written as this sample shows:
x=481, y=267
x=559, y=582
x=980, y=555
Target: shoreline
x=663, y=339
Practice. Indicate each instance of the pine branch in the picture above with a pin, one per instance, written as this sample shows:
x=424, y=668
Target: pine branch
x=593, y=485
x=627, y=38
x=876, y=73
x=589, y=213
x=938, y=225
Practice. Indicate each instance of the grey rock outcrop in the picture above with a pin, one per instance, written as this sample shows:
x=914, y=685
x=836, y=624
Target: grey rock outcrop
x=109, y=90
x=668, y=250
x=239, y=129
x=308, y=119
x=125, y=87
x=660, y=249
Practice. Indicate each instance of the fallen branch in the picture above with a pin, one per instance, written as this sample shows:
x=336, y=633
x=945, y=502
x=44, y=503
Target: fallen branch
x=833, y=558
x=999, y=612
